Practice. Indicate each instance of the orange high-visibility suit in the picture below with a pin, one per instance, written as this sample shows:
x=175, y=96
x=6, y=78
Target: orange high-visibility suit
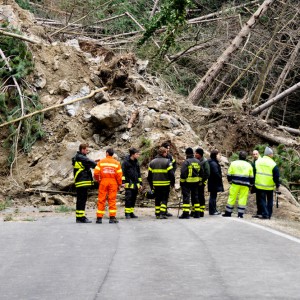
x=108, y=173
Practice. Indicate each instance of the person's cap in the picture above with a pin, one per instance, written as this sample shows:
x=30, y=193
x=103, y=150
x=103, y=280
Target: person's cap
x=189, y=150
x=268, y=151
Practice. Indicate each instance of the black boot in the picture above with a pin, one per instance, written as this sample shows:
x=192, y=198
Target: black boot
x=240, y=215
x=113, y=220
x=99, y=220
x=192, y=214
x=197, y=214
x=133, y=216
x=127, y=216
x=201, y=214
x=226, y=214
x=185, y=215
x=163, y=216
x=83, y=220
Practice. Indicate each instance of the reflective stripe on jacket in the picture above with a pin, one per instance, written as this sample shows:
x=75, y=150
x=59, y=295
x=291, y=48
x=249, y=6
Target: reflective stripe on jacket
x=240, y=172
x=160, y=172
x=131, y=173
x=108, y=168
x=82, y=170
x=264, y=173
x=191, y=171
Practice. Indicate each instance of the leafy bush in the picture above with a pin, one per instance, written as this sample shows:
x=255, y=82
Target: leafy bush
x=21, y=65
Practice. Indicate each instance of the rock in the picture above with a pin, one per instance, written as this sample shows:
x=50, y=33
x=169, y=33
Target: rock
x=110, y=115
x=58, y=200
x=40, y=80
x=73, y=108
x=142, y=65
x=125, y=136
x=64, y=87
x=102, y=97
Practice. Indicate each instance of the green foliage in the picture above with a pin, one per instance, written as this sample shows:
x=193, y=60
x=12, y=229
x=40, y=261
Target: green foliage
x=146, y=151
x=24, y=4
x=145, y=142
x=8, y=218
x=21, y=65
x=173, y=16
x=5, y=204
x=64, y=209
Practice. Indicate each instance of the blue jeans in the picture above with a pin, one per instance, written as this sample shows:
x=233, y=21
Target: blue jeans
x=266, y=202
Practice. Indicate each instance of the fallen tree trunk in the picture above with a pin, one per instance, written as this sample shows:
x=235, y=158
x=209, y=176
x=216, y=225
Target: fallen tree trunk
x=215, y=69
x=276, y=139
x=290, y=130
x=53, y=107
x=272, y=101
x=21, y=37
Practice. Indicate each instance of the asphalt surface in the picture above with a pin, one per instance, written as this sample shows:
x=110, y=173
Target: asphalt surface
x=210, y=258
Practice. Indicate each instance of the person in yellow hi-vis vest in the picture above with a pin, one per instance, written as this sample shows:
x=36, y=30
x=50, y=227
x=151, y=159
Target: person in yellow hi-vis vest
x=240, y=176
x=266, y=179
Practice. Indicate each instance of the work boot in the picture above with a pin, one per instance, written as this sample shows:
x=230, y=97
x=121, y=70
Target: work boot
x=185, y=215
x=192, y=214
x=99, y=220
x=113, y=220
x=127, y=216
x=197, y=214
x=240, y=215
x=83, y=220
x=226, y=214
x=163, y=216
x=201, y=214
x=133, y=216
x=169, y=214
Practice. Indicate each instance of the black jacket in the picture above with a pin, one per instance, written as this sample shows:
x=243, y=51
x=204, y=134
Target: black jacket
x=191, y=170
x=82, y=170
x=131, y=173
x=160, y=172
x=173, y=161
x=215, y=183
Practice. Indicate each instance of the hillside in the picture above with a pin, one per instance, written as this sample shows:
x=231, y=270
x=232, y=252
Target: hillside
x=134, y=108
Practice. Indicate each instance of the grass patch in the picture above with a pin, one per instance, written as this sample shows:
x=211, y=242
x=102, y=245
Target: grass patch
x=5, y=204
x=8, y=218
x=64, y=209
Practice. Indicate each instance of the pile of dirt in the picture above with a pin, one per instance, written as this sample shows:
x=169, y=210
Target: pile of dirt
x=64, y=70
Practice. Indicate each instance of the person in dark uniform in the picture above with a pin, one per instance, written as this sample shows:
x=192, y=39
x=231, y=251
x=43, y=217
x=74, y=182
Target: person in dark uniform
x=83, y=180
x=132, y=181
x=160, y=178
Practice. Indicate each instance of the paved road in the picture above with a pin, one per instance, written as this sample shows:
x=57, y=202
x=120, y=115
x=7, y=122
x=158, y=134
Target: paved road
x=211, y=258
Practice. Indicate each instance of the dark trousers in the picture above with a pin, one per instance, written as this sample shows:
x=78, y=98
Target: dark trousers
x=258, y=204
x=201, y=195
x=161, y=199
x=130, y=198
x=190, y=191
x=82, y=193
x=266, y=201
x=212, y=205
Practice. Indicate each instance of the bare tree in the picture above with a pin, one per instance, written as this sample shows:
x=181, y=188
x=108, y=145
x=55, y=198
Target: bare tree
x=215, y=69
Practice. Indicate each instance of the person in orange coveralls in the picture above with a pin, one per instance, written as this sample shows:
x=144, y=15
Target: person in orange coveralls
x=108, y=173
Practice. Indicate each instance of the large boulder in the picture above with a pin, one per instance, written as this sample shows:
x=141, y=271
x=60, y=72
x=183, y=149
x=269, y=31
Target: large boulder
x=111, y=114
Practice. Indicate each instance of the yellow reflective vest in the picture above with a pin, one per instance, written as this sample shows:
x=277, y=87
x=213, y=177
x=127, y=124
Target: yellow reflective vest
x=240, y=172
x=264, y=173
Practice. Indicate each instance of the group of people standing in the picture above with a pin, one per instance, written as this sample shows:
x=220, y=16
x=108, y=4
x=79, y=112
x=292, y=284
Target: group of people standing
x=196, y=172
